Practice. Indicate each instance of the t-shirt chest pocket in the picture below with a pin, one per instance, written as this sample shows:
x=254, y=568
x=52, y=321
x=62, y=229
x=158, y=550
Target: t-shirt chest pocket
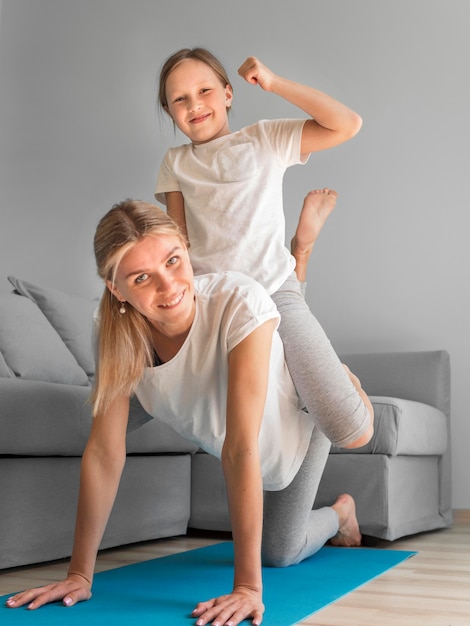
x=237, y=163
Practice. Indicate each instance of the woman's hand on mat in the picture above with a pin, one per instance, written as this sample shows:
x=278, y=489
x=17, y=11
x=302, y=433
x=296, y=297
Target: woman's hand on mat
x=70, y=591
x=231, y=609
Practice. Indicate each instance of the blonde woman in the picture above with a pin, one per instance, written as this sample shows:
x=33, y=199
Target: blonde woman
x=203, y=354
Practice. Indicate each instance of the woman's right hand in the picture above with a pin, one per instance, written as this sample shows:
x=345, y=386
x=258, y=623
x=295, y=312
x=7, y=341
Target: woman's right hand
x=73, y=589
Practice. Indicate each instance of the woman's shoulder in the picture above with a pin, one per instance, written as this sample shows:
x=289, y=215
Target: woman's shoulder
x=229, y=282
x=233, y=303
x=231, y=288
x=232, y=294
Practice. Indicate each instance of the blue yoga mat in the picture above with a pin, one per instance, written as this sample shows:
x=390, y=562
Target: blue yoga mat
x=164, y=591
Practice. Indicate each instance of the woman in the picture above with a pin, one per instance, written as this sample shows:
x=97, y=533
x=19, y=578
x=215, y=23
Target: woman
x=203, y=354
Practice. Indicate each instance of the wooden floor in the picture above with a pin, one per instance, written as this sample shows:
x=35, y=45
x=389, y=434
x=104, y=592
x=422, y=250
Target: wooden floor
x=430, y=589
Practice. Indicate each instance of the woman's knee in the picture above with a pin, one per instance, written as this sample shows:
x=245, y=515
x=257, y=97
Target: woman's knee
x=279, y=556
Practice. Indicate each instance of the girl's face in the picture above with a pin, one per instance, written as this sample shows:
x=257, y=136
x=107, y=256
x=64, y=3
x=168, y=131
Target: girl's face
x=156, y=278
x=197, y=101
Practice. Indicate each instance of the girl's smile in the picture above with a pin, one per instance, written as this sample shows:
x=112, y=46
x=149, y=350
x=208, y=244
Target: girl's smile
x=199, y=119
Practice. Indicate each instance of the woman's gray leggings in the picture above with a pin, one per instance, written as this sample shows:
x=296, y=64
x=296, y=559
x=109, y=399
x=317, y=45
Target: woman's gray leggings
x=292, y=531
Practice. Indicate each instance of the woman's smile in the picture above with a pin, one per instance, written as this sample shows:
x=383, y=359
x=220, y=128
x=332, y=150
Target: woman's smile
x=174, y=302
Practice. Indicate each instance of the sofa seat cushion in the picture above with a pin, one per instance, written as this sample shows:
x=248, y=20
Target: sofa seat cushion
x=5, y=371
x=404, y=427
x=31, y=347
x=48, y=419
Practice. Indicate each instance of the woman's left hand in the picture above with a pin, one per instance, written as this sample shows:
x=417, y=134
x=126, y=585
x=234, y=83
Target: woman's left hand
x=231, y=609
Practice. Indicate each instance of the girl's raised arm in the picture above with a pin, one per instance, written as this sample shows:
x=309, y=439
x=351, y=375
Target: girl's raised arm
x=332, y=122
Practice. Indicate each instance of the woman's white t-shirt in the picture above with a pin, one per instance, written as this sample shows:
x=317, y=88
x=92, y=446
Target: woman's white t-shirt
x=189, y=392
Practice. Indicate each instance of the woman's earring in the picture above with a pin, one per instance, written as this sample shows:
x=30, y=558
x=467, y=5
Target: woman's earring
x=122, y=310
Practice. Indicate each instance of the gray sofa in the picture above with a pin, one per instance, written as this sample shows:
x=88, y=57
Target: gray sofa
x=401, y=480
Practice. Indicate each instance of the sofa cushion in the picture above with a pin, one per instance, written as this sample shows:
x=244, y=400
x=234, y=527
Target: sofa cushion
x=5, y=371
x=31, y=347
x=71, y=316
x=39, y=418
x=404, y=427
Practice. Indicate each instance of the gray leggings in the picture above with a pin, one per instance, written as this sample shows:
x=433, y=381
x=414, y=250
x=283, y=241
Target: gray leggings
x=291, y=529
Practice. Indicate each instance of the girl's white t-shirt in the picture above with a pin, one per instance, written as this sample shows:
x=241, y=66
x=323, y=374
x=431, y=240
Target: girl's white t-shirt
x=233, y=194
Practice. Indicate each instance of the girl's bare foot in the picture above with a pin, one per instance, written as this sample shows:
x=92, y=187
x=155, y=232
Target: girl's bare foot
x=316, y=208
x=348, y=534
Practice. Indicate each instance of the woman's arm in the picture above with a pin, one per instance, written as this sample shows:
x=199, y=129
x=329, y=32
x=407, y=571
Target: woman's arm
x=175, y=209
x=248, y=381
x=332, y=122
x=101, y=468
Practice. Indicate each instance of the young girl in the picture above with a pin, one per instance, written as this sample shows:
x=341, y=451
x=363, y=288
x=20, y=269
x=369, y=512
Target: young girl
x=225, y=190
x=203, y=354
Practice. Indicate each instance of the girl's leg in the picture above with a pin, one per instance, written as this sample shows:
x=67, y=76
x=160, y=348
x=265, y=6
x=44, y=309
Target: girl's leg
x=316, y=208
x=319, y=376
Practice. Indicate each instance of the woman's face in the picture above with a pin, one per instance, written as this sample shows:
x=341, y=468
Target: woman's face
x=197, y=101
x=156, y=278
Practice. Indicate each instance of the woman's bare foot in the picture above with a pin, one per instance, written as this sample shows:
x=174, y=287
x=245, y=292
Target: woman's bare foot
x=348, y=534
x=316, y=208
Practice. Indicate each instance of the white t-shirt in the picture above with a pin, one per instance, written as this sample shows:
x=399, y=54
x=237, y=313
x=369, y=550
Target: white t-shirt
x=232, y=189
x=189, y=392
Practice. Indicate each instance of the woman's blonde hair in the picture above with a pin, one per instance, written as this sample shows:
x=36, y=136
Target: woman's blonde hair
x=124, y=339
x=197, y=54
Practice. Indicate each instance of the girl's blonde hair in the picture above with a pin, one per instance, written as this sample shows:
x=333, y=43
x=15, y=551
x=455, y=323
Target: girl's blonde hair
x=197, y=54
x=124, y=339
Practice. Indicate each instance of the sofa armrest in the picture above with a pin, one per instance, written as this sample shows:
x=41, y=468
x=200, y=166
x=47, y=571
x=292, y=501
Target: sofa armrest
x=420, y=376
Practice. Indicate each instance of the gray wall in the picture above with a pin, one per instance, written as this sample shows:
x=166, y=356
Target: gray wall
x=79, y=131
